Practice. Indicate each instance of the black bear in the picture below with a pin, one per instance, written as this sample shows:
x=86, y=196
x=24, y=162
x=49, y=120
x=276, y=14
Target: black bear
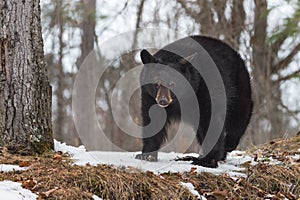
x=157, y=86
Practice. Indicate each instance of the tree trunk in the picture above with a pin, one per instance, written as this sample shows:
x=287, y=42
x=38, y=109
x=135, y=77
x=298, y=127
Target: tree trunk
x=267, y=92
x=25, y=93
x=60, y=119
x=88, y=28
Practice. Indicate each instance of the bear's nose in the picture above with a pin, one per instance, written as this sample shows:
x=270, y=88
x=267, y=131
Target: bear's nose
x=163, y=102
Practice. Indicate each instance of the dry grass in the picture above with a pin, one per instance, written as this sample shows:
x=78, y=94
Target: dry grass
x=264, y=180
x=54, y=177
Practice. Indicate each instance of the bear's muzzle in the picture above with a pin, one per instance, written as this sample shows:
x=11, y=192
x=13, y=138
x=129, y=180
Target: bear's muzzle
x=163, y=96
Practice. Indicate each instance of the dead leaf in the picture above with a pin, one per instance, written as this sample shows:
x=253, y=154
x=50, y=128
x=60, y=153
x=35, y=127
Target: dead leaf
x=258, y=155
x=291, y=196
x=57, y=157
x=193, y=170
x=29, y=184
x=47, y=194
x=220, y=195
x=24, y=163
x=246, y=164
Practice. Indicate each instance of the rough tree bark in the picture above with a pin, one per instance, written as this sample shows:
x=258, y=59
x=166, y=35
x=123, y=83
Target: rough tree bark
x=25, y=93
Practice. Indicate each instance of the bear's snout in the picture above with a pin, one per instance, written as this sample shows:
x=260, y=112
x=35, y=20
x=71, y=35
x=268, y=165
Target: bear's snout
x=163, y=97
x=163, y=102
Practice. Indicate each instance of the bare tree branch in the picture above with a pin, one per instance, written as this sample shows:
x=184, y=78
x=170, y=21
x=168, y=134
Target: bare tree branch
x=188, y=11
x=292, y=113
x=138, y=21
x=276, y=45
x=287, y=77
x=237, y=24
x=139, y=14
x=114, y=17
x=223, y=25
x=287, y=60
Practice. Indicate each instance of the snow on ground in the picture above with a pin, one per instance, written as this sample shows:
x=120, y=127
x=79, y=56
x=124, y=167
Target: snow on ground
x=191, y=188
x=7, y=168
x=13, y=191
x=165, y=162
x=10, y=190
x=95, y=197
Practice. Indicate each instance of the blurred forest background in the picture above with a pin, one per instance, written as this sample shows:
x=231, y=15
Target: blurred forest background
x=265, y=32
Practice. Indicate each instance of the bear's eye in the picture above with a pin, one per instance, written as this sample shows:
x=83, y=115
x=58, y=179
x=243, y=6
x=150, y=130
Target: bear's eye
x=157, y=84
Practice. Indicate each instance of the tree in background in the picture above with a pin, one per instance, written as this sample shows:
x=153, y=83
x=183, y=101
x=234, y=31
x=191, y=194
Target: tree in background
x=56, y=25
x=228, y=21
x=25, y=93
x=270, y=53
x=87, y=10
x=63, y=20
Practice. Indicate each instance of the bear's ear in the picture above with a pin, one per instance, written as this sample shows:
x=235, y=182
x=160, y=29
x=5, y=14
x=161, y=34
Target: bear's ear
x=147, y=57
x=187, y=59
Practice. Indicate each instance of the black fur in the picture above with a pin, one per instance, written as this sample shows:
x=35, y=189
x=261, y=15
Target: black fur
x=238, y=93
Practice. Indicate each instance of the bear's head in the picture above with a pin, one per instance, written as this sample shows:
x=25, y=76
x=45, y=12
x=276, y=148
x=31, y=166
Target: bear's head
x=166, y=72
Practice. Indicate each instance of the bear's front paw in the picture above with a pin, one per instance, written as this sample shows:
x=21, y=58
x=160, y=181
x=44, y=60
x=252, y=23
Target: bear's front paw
x=146, y=156
x=186, y=158
x=211, y=163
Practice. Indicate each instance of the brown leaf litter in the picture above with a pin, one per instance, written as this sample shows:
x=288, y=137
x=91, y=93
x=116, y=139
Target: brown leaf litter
x=54, y=176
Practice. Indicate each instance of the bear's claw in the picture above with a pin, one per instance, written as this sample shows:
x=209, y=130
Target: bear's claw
x=146, y=156
x=186, y=158
x=204, y=162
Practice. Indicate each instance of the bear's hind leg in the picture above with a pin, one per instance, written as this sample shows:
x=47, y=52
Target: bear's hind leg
x=211, y=158
x=237, y=123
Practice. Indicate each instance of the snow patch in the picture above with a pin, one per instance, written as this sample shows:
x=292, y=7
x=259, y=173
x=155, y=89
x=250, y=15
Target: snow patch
x=95, y=197
x=295, y=157
x=63, y=147
x=165, y=162
x=10, y=190
x=8, y=168
x=191, y=188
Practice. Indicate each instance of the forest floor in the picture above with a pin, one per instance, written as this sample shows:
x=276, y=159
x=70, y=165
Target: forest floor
x=275, y=175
